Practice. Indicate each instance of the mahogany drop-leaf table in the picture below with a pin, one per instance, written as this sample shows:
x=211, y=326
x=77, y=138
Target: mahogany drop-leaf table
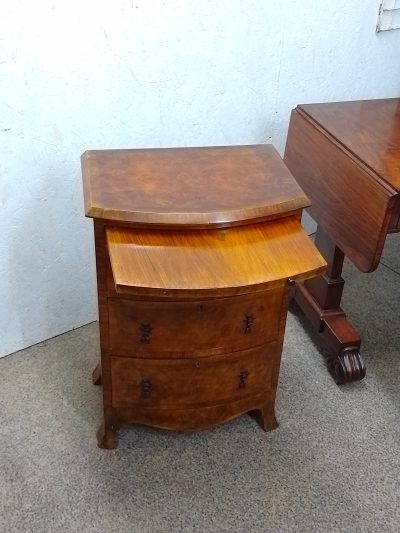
x=346, y=156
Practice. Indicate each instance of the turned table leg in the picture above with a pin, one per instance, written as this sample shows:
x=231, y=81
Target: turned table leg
x=320, y=299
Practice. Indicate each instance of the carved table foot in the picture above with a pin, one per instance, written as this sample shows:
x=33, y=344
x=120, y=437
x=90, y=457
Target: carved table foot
x=347, y=366
x=96, y=375
x=107, y=437
x=320, y=300
x=342, y=341
x=265, y=417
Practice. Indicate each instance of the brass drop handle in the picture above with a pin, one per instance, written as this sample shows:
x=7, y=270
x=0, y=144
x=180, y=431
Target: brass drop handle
x=144, y=333
x=145, y=387
x=242, y=379
x=248, y=322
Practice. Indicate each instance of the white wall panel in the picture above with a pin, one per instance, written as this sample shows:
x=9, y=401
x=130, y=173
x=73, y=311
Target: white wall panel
x=148, y=73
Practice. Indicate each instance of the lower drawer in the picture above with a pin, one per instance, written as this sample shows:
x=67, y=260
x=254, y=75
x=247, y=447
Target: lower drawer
x=176, y=383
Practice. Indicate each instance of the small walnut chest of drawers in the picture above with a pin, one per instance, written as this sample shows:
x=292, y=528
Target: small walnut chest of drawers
x=196, y=250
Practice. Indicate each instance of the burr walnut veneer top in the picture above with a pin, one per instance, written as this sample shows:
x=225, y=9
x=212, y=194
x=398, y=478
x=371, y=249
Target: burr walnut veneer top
x=189, y=187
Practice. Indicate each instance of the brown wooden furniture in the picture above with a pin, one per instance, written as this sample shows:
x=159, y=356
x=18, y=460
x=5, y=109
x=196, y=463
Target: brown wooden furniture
x=195, y=252
x=346, y=156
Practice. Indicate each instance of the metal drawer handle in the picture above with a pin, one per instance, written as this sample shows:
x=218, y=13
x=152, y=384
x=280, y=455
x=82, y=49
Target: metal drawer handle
x=145, y=330
x=243, y=378
x=145, y=387
x=248, y=322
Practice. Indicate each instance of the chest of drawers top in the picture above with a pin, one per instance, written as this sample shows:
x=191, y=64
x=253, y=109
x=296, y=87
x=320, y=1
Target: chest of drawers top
x=189, y=187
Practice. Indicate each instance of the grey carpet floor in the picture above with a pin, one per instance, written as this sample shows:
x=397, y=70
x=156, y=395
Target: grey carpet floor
x=332, y=465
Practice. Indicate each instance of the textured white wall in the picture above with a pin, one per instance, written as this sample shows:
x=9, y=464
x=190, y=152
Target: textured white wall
x=80, y=75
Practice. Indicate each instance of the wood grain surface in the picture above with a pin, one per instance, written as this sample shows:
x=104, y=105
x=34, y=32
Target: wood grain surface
x=369, y=129
x=189, y=187
x=261, y=407
x=350, y=201
x=177, y=383
x=211, y=263
x=219, y=325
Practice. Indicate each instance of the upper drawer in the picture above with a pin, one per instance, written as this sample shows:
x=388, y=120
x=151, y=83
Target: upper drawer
x=143, y=328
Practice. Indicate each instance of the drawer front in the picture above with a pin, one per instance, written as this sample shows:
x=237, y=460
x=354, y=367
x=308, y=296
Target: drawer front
x=159, y=383
x=144, y=328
